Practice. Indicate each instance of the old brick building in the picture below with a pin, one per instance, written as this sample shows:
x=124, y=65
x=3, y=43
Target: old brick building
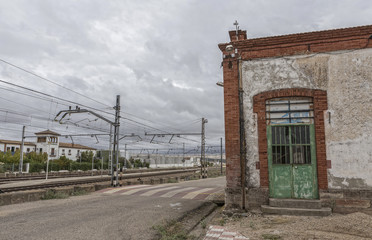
x=298, y=118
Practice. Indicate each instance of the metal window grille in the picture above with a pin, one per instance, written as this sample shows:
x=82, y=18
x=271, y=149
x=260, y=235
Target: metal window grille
x=289, y=110
x=290, y=143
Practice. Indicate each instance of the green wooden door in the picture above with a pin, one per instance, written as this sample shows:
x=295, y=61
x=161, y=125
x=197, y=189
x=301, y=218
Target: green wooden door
x=292, y=161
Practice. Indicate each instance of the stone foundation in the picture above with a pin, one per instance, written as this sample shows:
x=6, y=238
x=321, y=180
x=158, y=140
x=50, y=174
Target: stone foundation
x=233, y=198
x=347, y=200
x=340, y=200
x=255, y=197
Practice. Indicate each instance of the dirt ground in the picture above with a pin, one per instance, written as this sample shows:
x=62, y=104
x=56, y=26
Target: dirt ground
x=353, y=226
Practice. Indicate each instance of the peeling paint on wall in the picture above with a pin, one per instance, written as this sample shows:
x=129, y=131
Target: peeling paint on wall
x=347, y=78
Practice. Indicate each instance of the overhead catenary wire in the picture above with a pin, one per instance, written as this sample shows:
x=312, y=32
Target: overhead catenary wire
x=80, y=94
x=48, y=97
x=69, y=89
x=50, y=81
x=76, y=103
x=51, y=96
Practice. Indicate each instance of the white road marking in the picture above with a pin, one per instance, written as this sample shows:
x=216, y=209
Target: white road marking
x=174, y=192
x=140, y=189
x=191, y=195
x=113, y=190
x=152, y=192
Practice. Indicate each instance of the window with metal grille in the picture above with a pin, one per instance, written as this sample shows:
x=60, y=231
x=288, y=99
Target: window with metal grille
x=291, y=144
x=289, y=110
x=290, y=131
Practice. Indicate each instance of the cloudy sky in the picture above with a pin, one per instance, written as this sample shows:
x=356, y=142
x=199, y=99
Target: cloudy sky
x=160, y=56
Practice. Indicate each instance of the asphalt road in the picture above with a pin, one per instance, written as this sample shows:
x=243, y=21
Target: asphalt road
x=102, y=215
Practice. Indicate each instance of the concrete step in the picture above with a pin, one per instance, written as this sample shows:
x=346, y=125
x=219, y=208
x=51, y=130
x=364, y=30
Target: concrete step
x=296, y=211
x=295, y=203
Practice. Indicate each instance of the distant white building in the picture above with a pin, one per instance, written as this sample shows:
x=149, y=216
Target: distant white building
x=47, y=142
x=165, y=161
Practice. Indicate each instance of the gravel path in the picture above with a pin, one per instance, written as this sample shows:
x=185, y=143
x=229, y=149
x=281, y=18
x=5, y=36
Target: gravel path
x=355, y=226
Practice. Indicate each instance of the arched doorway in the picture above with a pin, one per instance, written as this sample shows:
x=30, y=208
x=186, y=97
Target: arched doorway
x=291, y=148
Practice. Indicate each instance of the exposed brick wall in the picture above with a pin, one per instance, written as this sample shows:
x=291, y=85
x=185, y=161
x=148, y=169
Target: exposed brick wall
x=232, y=133
x=278, y=46
x=301, y=43
x=320, y=105
x=242, y=35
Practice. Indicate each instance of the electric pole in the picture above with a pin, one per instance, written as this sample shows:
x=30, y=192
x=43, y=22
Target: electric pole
x=116, y=140
x=116, y=125
x=23, y=143
x=125, y=156
x=110, y=154
x=204, y=168
x=183, y=154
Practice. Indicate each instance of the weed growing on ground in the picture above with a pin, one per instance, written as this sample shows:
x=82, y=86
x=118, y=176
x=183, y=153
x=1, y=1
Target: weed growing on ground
x=203, y=224
x=79, y=193
x=251, y=224
x=54, y=195
x=172, y=180
x=271, y=236
x=222, y=222
x=171, y=231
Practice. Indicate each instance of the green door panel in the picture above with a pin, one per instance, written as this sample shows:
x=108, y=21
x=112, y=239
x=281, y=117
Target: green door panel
x=303, y=185
x=292, y=161
x=281, y=180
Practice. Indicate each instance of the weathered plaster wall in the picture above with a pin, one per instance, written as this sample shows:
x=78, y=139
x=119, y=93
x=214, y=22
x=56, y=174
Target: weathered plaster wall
x=349, y=134
x=347, y=77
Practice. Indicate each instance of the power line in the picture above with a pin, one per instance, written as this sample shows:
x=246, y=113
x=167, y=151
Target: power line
x=76, y=103
x=33, y=96
x=45, y=94
x=50, y=81
x=73, y=102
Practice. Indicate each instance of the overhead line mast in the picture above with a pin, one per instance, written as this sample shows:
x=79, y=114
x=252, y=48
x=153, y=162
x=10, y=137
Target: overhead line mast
x=116, y=125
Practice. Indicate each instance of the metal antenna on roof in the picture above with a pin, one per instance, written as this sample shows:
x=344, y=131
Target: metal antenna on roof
x=236, y=29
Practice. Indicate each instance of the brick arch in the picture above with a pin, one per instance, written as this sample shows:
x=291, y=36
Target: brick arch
x=320, y=105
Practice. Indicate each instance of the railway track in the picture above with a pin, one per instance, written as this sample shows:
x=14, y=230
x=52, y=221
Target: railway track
x=15, y=179
x=4, y=180
x=93, y=180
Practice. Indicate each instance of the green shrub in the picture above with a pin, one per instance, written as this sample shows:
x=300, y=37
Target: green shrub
x=83, y=166
x=54, y=195
x=37, y=166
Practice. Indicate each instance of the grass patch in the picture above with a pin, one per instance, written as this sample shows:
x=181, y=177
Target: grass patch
x=54, y=195
x=172, y=180
x=271, y=236
x=79, y=193
x=171, y=231
x=222, y=222
x=203, y=224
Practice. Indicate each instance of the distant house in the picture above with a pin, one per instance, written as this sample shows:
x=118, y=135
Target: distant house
x=47, y=142
x=13, y=146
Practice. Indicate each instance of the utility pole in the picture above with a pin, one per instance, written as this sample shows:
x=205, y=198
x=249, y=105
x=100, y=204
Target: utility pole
x=22, y=145
x=101, y=163
x=156, y=165
x=183, y=154
x=110, y=154
x=204, y=168
x=125, y=156
x=92, y=164
x=221, y=156
x=47, y=167
x=116, y=139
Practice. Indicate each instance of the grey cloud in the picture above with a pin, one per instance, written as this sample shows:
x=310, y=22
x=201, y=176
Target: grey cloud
x=105, y=48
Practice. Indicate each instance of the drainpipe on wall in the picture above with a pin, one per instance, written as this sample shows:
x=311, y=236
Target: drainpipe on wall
x=242, y=134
